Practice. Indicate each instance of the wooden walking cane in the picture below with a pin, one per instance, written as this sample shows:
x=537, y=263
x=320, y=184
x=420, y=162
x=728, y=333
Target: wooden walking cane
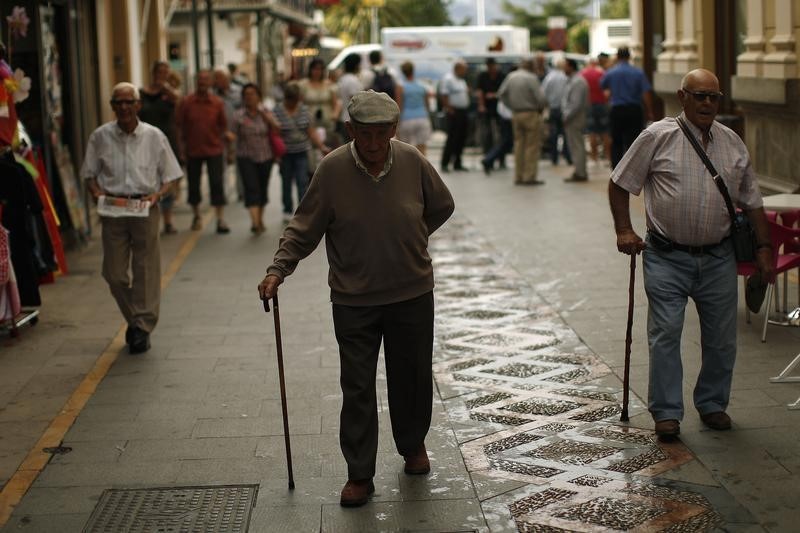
x=277, y=318
x=628, y=334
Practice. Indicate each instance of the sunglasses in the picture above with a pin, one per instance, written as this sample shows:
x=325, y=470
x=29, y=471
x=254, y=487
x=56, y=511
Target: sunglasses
x=700, y=96
x=123, y=102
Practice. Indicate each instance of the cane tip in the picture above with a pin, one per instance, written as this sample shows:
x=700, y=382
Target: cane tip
x=624, y=417
x=291, y=485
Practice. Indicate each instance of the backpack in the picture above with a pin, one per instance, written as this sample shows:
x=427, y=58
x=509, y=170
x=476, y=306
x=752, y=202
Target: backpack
x=383, y=82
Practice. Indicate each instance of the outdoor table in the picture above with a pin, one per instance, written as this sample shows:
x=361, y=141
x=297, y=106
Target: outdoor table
x=782, y=202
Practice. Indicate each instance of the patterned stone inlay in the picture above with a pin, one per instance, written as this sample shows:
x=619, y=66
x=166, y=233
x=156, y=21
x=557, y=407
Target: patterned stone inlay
x=487, y=400
x=707, y=521
x=650, y=490
x=523, y=468
x=509, y=442
x=572, y=452
x=542, y=406
x=464, y=365
x=466, y=378
x=498, y=419
x=496, y=339
x=590, y=481
x=591, y=395
x=634, y=464
x=598, y=414
x=611, y=512
x=538, y=500
x=611, y=434
x=555, y=427
x=527, y=527
x=560, y=359
x=519, y=370
x=572, y=375
x=483, y=314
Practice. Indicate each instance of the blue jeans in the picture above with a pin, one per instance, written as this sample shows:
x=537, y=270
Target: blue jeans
x=670, y=278
x=294, y=168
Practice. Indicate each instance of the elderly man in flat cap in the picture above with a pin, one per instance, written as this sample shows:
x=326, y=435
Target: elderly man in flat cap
x=376, y=200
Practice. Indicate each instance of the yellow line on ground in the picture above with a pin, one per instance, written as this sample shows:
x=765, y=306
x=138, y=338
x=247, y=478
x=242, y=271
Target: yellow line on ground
x=53, y=436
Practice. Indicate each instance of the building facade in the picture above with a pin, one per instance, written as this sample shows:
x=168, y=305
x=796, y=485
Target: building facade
x=754, y=47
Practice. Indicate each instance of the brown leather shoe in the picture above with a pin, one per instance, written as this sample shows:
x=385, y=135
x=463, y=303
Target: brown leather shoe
x=418, y=463
x=719, y=420
x=668, y=429
x=356, y=492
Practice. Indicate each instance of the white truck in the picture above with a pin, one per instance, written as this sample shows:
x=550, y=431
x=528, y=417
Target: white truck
x=434, y=49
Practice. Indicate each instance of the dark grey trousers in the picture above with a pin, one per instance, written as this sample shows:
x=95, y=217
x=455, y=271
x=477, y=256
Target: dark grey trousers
x=406, y=329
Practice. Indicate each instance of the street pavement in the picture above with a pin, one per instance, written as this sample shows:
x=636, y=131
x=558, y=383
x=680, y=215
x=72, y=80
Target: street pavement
x=531, y=309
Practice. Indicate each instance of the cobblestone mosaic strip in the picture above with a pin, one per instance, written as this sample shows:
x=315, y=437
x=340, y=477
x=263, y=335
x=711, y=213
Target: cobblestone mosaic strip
x=572, y=452
x=555, y=427
x=524, y=468
x=464, y=365
x=487, y=400
x=498, y=419
x=707, y=521
x=656, y=491
x=619, y=436
x=572, y=375
x=559, y=359
x=482, y=314
x=599, y=414
x=527, y=527
x=591, y=395
x=519, y=370
x=538, y=500
x=611, y=512
x=590, y=481
x=497, y=339
x=542, y=406
x=634, y=464
x=509, y=442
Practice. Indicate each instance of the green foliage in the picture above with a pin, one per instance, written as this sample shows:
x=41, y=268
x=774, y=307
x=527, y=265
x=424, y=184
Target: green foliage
x=537, y=22
x=578, y=38
x=350, y=20
x=615, y=9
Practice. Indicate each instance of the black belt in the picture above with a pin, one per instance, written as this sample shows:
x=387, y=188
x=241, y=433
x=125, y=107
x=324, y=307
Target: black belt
x=131, y=196
x=662, y=243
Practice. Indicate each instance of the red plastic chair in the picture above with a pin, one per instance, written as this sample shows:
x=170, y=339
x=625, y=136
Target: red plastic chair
x=790, y=219
x=779, y=236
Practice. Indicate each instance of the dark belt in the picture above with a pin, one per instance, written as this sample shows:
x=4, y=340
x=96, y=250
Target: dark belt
x=662, y=243
x=130, y=196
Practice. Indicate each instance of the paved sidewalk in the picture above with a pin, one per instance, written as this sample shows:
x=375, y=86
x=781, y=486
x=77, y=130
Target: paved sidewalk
x=531, y=303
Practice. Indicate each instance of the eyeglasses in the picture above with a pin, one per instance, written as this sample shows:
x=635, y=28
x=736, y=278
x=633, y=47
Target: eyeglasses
x=123, y=102
x=700, y=96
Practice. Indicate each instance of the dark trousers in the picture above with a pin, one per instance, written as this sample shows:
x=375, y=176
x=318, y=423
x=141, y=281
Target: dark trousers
x=505, y=145
x=626, y=123
x=457, y=125
x=490, y=130
x=555, y=129
x=215, y=168
x=294, y=169
x=406, y=329
x=255, y=179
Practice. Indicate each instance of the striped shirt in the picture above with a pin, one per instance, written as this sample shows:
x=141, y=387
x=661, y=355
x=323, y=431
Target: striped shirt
x=294, y=128
x=252, y=140
x=126, y=164
x=681, y=200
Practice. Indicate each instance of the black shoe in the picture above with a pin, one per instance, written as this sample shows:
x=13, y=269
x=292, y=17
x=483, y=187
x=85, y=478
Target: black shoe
x=222, y=228
x=129, y=333
x=140, y=342
x=576, y=179
x=487, y=168
x=503, y=165
x=197, y=223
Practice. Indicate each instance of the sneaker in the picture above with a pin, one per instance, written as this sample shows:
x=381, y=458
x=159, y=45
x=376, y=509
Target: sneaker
x=197, y=223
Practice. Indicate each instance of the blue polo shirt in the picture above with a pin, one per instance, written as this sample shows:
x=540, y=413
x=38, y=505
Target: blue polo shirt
x=627, y=84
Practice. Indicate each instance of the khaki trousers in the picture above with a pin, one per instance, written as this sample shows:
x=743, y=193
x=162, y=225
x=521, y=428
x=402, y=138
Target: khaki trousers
x=527, y=145
x=577, y=146
x=132, y=267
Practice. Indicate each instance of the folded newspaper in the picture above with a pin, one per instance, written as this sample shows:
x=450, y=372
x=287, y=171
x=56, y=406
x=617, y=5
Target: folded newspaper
x=112, y=206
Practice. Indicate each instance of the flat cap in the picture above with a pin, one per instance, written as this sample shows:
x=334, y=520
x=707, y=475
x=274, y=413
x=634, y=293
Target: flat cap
x=369, y=107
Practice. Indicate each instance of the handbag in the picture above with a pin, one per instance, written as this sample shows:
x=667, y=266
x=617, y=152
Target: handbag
x=742, y=235
x=276, y=144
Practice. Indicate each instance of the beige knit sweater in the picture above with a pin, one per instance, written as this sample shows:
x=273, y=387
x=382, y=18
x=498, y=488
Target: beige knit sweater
x=376, y=232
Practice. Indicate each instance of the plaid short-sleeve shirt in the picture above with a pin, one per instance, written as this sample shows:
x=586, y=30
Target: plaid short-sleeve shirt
x=681, y=200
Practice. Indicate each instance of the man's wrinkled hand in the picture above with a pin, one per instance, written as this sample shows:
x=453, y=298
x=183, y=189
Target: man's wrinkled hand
x=765, y=264
x=269, y=286
x=628, y=242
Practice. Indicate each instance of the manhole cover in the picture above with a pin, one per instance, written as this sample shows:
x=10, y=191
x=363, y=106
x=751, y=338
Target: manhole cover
x=220, y=509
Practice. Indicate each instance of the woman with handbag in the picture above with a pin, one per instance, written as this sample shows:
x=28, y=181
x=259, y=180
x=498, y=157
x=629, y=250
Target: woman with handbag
x=254, y=153
x=299, y=135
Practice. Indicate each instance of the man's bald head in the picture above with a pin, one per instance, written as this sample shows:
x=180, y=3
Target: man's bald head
x=699, y=78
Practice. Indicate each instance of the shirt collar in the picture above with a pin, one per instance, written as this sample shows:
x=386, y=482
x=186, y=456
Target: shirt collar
x=360, y=164
x=122, y=133
x=697, y=131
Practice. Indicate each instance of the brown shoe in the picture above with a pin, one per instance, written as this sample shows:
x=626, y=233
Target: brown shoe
x=356, y=492
x=418, y=463
x=668, y=429
x=719, y=420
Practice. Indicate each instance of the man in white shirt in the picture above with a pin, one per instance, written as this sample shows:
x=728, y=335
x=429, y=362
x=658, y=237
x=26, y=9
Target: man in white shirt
x=130, y=159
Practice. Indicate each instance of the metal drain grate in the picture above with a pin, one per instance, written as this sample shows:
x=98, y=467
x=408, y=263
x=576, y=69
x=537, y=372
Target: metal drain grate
x=221, y=509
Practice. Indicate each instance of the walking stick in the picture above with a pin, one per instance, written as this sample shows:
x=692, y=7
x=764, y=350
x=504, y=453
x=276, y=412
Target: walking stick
x=277, y=318
x=626, y=379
